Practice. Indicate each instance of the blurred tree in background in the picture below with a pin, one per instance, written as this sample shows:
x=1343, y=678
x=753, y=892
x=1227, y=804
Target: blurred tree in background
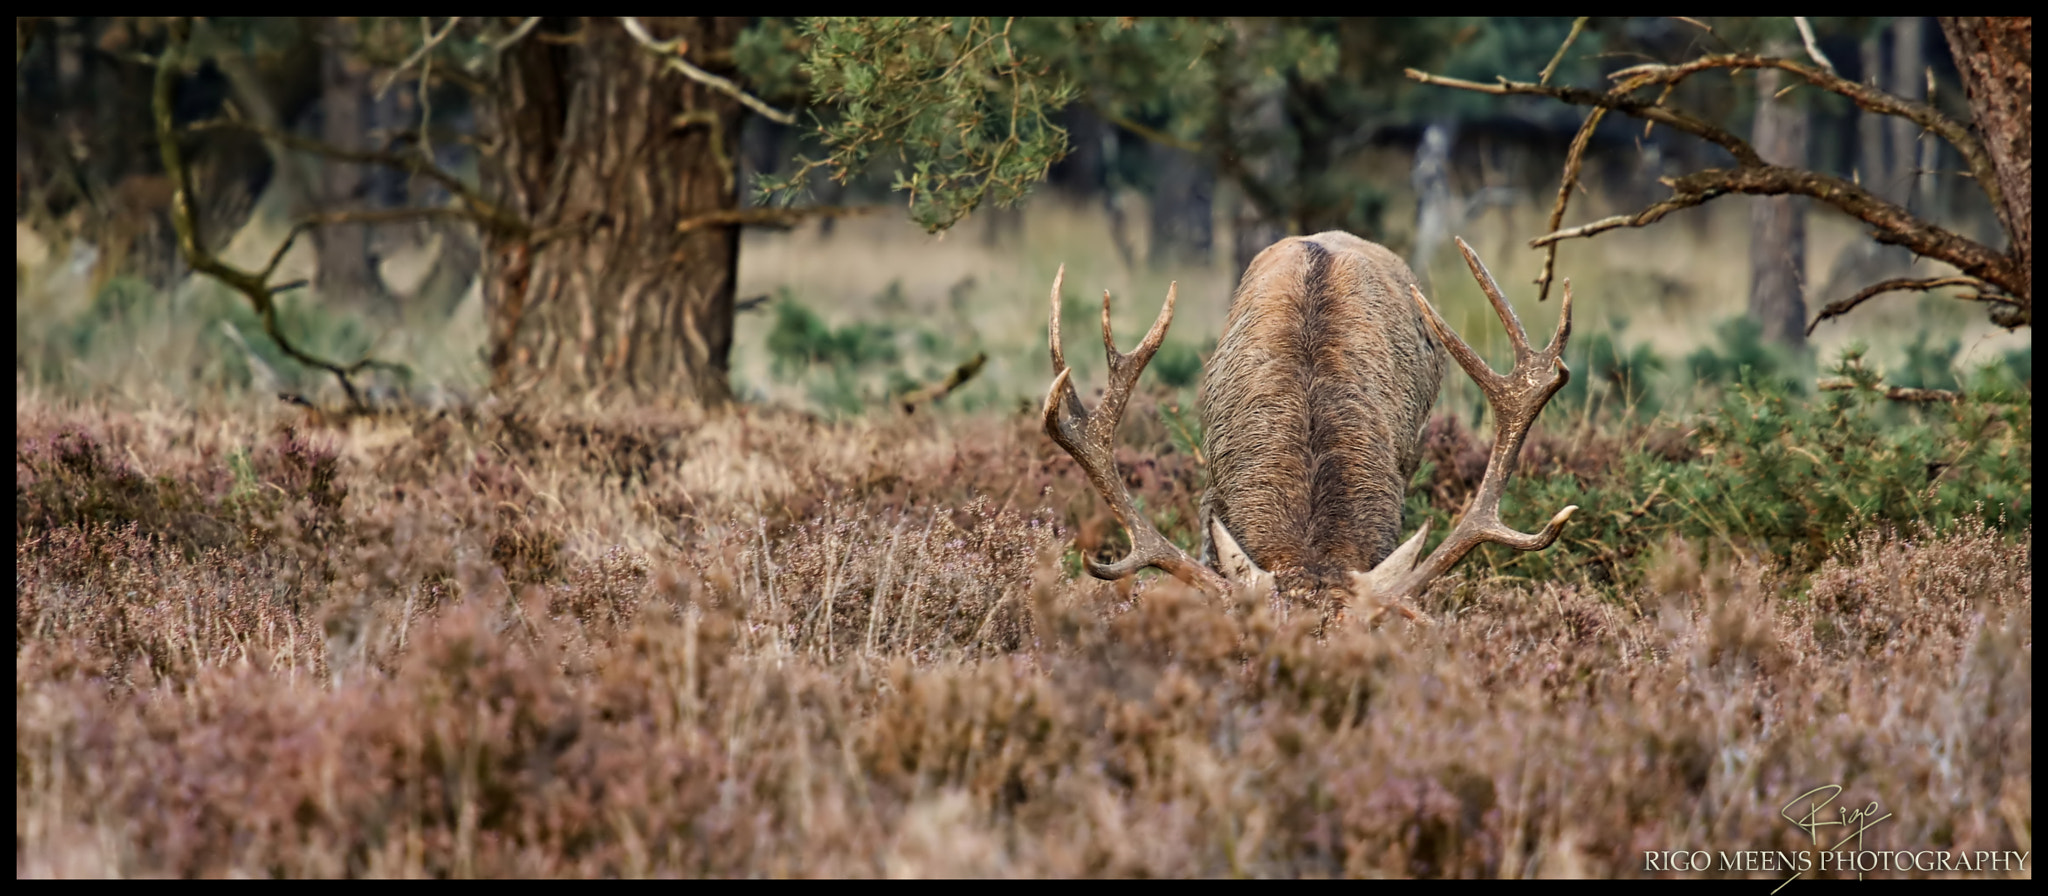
x=586, y=174
x=1277, y=107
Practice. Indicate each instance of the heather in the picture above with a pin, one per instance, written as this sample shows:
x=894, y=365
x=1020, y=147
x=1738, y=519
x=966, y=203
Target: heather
x=585, y=639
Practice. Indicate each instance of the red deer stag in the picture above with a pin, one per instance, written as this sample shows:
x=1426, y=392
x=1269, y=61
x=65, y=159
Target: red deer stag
x=1312, y=413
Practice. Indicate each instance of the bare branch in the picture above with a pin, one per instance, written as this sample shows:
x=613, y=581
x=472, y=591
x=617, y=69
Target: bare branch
x=768, y=217
x=186, y=222
x=1894, y=225
x=426, y=46
x=1902, y=284
x=382, y=215
x=1578, y=25
x=1812, y=46
x=1617, y=101
x=959, y=377
x=1754, y=176
x=481, y=210
x=671, y=53
x=1573, y=162
x=1639, y=219
x=517, y=35
x=1866, y=97
x=1150, y=133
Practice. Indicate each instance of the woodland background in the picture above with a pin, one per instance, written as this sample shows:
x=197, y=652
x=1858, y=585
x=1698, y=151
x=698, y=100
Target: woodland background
x=582, y=447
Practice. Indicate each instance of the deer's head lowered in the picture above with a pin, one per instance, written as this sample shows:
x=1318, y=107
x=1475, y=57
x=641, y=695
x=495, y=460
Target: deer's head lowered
x=1312, y=409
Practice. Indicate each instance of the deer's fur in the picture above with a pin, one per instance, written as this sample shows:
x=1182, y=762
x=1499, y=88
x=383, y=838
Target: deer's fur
x=1312, y=408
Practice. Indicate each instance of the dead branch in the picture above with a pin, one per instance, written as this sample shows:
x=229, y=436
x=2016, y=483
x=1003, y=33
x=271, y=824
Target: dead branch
x=1574, y=161
x=1754, y=176
x=671, y=53
x=1617, y=101
x=945, y=387
x=1230, y=163
x=767, y=217
x=1894, y=225
x=1149, y=133
x=347, y=216
x=1578, y=25
x=382, y=215
x=185, y=221
x=518, y=34
x=1812, y=46
x=433, y=39
x=1902, y=284
x=1866, y=97
x=485, y=213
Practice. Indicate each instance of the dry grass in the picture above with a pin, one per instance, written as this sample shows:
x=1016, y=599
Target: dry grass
x=633, y=641
x=972, y=290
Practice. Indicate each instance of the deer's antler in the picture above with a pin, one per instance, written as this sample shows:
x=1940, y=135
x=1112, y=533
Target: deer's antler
x=1091, y=438
x=1517, y=397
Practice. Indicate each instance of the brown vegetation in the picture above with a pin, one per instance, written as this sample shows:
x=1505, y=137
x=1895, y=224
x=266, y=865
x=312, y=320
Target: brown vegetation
x=642, y=642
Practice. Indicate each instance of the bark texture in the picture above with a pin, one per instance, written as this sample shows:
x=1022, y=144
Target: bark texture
x=1777, y=235
x=606, y=155
x=1995, y=57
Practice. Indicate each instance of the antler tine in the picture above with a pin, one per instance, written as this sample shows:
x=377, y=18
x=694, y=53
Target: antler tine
x=1475, y=366
x=1059, y=360
x=1090, y=438
x=1564, y=324
x=1516, y=335
x=1109, y=341
x=1517, y=399
x=1157, y=335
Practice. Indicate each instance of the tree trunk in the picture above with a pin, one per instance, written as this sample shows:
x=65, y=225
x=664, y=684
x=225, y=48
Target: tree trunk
x=1253, y=228
x=1434, y=205
x=1995, y=57
x=447, y=281
x=605, y=153
x=1081, y=174
x=1864, y=261
x=1777, y=247
x=1871, y=165
x=1183, y=209
x=1909, y=81
x=348, y=269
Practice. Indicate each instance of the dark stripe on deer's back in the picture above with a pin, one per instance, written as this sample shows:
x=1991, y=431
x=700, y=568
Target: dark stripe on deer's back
x=1255, y=410
x=1348, y=404
x=1327, y=324
x=1377, y=376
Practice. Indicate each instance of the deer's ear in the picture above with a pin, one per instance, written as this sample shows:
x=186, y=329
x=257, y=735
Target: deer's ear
x=1232, y=561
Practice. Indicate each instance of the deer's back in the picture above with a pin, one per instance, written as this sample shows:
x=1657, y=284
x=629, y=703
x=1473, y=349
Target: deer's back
x=1314, y=401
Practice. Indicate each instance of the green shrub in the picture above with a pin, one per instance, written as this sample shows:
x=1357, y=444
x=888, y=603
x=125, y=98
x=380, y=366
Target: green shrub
x=1743, y=353
x=1927, y=367
x=1177, y=364
x=1764, y=470
x=800, y=338
x=1622, y=378
x=1799, y=476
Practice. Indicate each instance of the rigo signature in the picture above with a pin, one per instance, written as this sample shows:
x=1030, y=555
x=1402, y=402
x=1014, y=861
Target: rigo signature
x=1854, y=823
